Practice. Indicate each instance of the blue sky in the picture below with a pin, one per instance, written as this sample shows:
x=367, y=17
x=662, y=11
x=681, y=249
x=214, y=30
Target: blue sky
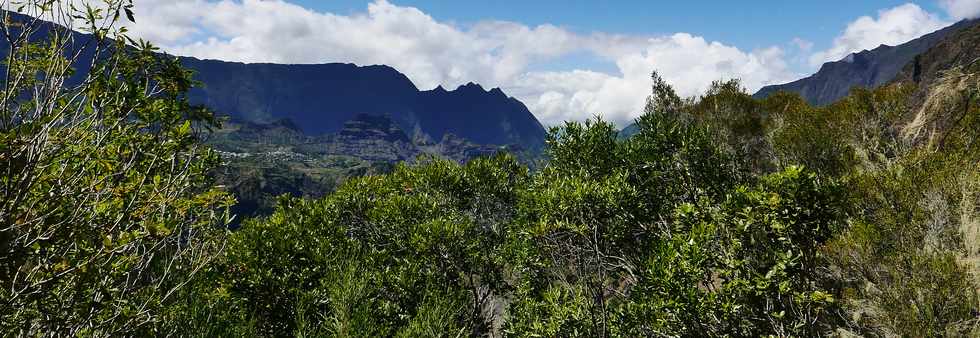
x=745, y=24
x=566, y=60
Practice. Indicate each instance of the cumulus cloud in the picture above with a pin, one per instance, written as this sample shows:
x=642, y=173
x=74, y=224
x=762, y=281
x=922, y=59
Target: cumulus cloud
x=961, y=9
x=429, y=52
x=432, y=53
x=688, y=62
x=893, y=26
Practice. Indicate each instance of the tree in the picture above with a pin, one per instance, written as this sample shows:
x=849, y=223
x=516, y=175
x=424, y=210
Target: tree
x=106, y=208
x=592, y=218
x=418, y=251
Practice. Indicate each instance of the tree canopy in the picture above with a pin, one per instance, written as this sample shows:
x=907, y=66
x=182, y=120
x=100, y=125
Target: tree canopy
x=723, y=215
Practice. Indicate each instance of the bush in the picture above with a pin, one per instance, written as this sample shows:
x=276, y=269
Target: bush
x=106, y=209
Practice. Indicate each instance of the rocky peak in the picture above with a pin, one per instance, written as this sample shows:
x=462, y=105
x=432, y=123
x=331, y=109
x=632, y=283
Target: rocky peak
x=471, y=87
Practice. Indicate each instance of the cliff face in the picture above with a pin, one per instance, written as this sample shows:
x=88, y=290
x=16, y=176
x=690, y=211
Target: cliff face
x=365, y=137
x=869, y=68
x=321, y=98
x=370, y=127
x=372, y=138
x=265, y=160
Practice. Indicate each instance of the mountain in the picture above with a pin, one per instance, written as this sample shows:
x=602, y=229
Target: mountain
x=265, y=160
x=868, y=68
x=919, y=61
x=302, y=130
x=958, y=49
x=320, y=98
x=628, y=131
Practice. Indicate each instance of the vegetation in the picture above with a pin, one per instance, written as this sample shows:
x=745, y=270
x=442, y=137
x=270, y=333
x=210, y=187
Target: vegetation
x=722, y=215
x=107, y=209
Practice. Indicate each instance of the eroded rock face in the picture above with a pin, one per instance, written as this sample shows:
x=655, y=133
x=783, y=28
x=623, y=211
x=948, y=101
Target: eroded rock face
x=373, y=138
x=461, y=150
x=365, y=127
x=378, y=138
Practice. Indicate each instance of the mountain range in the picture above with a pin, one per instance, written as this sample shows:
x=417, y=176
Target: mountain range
x=303, y=129
x=321, y=98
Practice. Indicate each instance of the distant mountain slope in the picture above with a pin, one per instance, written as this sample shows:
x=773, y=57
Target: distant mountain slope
x=958, y=49
x=869, y=68
x=628, y=131
x=919, y=61
x=265, y=160
x=321, y=98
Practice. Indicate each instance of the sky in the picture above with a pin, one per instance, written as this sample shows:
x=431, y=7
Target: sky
x=565, y=59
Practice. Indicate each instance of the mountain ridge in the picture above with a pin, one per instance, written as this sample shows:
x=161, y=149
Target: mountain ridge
x=959, y=49
x=320, y=98
x=867, y=68
x=924, y=58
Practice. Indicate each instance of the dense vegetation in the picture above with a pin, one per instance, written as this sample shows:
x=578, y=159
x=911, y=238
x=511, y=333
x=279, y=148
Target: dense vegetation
x=723, y=215
x=106, y=208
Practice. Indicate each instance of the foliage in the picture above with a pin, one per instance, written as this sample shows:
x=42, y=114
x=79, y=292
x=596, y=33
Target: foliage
x=106, y=208
x=720, y=215
x=667, y=232
x=417, y=250
x=594, y=214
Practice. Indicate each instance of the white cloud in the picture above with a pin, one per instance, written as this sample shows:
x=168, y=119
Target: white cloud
x=431, y=53
x=689, y=63
x=961, y=9
x=171, y=22
x=893, y=26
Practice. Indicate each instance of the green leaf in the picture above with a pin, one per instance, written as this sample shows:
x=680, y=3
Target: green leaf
x=129, y=14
